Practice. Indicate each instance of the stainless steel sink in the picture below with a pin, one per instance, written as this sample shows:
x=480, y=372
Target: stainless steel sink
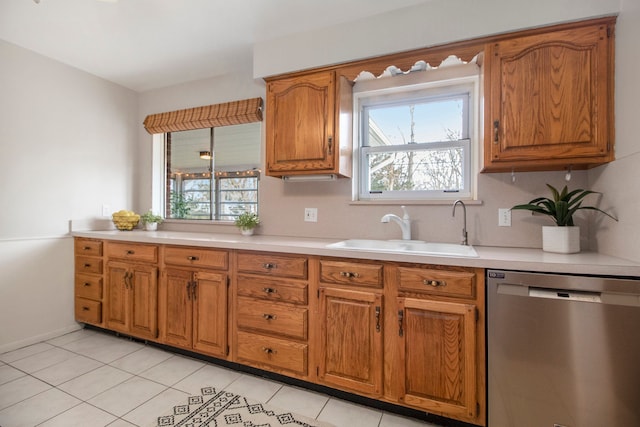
x=407, y=246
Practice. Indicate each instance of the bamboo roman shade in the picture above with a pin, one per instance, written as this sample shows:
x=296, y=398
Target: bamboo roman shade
x=229, y=113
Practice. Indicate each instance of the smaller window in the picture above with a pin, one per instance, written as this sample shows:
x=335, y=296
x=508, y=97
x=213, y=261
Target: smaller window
x=415, y=140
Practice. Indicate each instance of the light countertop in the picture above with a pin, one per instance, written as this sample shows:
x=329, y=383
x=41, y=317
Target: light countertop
x=488, y=256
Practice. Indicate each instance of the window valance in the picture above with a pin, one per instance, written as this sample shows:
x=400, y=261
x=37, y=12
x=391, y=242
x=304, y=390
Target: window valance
x=228, y=113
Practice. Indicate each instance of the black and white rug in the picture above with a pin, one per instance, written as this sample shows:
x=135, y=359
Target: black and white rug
x=218, y=408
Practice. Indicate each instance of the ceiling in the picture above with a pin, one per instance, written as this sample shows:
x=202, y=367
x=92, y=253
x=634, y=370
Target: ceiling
x=148, y=44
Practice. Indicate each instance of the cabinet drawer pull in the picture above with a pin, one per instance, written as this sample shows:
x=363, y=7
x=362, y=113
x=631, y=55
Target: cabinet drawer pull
x=131, y=252
x=269, y=316
x=268, y=265
x=86, y=248
x=269, y=350
x=85, y=308
x=270, y=290
x=86, y=284
x=434, y=283
x=349, y=274
x=87, y=265
x=192, y=258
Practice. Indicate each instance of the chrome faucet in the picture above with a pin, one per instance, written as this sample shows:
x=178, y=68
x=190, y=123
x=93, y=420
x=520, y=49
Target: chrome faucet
x=404, y=223
x=464, y=216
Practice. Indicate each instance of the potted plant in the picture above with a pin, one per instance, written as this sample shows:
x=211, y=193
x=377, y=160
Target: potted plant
x=565, y=236
x=246, y=222
x=151, y=221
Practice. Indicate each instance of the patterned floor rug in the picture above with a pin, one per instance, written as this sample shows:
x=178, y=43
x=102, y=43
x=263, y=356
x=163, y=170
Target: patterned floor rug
x=218, y=408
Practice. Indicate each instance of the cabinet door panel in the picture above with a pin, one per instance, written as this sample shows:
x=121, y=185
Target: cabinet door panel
x=177, y=320
x=210, y=313
x=117, y=301
x=300, y=123
x=439, y=354
x=351, y=346
x=144, y=301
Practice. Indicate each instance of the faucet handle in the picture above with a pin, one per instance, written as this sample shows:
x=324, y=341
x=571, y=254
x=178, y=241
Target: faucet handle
x=405, y=214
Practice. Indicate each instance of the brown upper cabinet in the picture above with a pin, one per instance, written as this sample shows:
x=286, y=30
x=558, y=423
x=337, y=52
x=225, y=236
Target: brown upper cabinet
x=308, y=125
x=549, y=99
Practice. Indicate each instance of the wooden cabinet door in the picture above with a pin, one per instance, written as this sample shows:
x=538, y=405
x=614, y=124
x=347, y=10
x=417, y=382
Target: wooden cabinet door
x=144, y=301
x=210, y=313
x=117, y=297
x=550, y=100
x=177, y=325
x=438, y=354
x=300, y=124
x=351, y=340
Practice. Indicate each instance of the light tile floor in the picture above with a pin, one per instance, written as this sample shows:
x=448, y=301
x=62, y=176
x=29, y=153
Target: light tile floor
x=91, y=379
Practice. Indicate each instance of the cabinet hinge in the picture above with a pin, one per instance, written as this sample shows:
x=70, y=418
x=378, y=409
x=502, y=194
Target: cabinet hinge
x=318, y=291
x=228, y=281
x=317, y=370
x=609, y=32
x=227, y=350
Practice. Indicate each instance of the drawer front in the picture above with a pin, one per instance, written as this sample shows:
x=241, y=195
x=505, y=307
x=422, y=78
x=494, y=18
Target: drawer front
x=88, y=247
x=351, y=273
x=132, y=251
x=196, y=257
x=272, y=318
x=272, y=289
x=273, y=265
x=437, y=282
x=88, y=311
x=88, y=265
x=273, y=352
x=88, y=286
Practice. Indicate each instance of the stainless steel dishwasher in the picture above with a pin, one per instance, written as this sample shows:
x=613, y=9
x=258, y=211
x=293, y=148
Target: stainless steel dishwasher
x=562, y=350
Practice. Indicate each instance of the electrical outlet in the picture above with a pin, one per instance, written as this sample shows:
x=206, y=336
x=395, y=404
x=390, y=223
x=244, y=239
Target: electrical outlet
x=311, y=214
x=106, y=210
x=504, y=217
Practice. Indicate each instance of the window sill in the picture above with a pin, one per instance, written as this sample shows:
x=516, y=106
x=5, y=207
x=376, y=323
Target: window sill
x=413, y=202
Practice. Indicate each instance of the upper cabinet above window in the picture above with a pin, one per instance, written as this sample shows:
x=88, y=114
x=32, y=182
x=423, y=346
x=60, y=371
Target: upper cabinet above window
x=549, y=99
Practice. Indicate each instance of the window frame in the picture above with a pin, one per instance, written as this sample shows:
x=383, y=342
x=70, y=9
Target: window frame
x=401, y=89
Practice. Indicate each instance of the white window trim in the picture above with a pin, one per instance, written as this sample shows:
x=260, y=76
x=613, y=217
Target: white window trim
x=467, y=76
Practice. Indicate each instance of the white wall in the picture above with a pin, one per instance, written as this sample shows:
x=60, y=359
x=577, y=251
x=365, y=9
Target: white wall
x=66, y=147
x=619, y=180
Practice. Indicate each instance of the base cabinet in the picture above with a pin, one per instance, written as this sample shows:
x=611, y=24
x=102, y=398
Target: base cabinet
x=196, y=311
x=351, y=340
x=194, y=299
x=438, y=334
x=132, y=292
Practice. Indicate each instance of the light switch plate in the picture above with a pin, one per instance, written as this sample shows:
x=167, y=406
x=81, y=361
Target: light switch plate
x=311, y=214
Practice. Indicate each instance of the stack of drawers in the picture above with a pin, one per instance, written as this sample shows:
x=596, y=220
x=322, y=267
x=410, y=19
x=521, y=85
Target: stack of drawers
x=272, y=312
x=88, y=281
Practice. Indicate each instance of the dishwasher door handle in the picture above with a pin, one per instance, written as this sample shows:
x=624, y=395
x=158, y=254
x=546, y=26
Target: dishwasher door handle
x=564, y=295
x=610, y=298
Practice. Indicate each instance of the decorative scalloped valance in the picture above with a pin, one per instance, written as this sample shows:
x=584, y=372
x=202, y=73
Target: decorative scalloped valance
x=229, y=113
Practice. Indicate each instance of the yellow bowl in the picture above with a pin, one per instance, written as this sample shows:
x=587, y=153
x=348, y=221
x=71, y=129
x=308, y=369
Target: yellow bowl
x=125, y=222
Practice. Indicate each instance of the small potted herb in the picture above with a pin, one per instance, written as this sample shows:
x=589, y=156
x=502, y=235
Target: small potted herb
x=560, y=208
x=151, y=221
x=246, y=222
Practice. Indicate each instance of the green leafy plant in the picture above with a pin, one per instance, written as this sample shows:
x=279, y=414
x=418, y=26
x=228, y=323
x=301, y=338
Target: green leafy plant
x=149, y=218
x=561, y=206
x=247, y=221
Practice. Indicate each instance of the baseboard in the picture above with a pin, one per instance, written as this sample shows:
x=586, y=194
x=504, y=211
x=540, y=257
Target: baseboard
x=39, y=338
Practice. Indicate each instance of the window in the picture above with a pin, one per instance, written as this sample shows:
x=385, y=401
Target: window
x=416, y=135
x=212, y=174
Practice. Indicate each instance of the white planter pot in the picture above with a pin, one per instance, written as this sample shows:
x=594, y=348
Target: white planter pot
x=151, y=226
x=246, y=231
x=563, y=240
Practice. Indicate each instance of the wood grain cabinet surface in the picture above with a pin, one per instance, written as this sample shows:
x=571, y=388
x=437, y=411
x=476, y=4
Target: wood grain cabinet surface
x=88, y=281
x=272, y=313
x=549, y=99
x=193, y=299
x=305, y=131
